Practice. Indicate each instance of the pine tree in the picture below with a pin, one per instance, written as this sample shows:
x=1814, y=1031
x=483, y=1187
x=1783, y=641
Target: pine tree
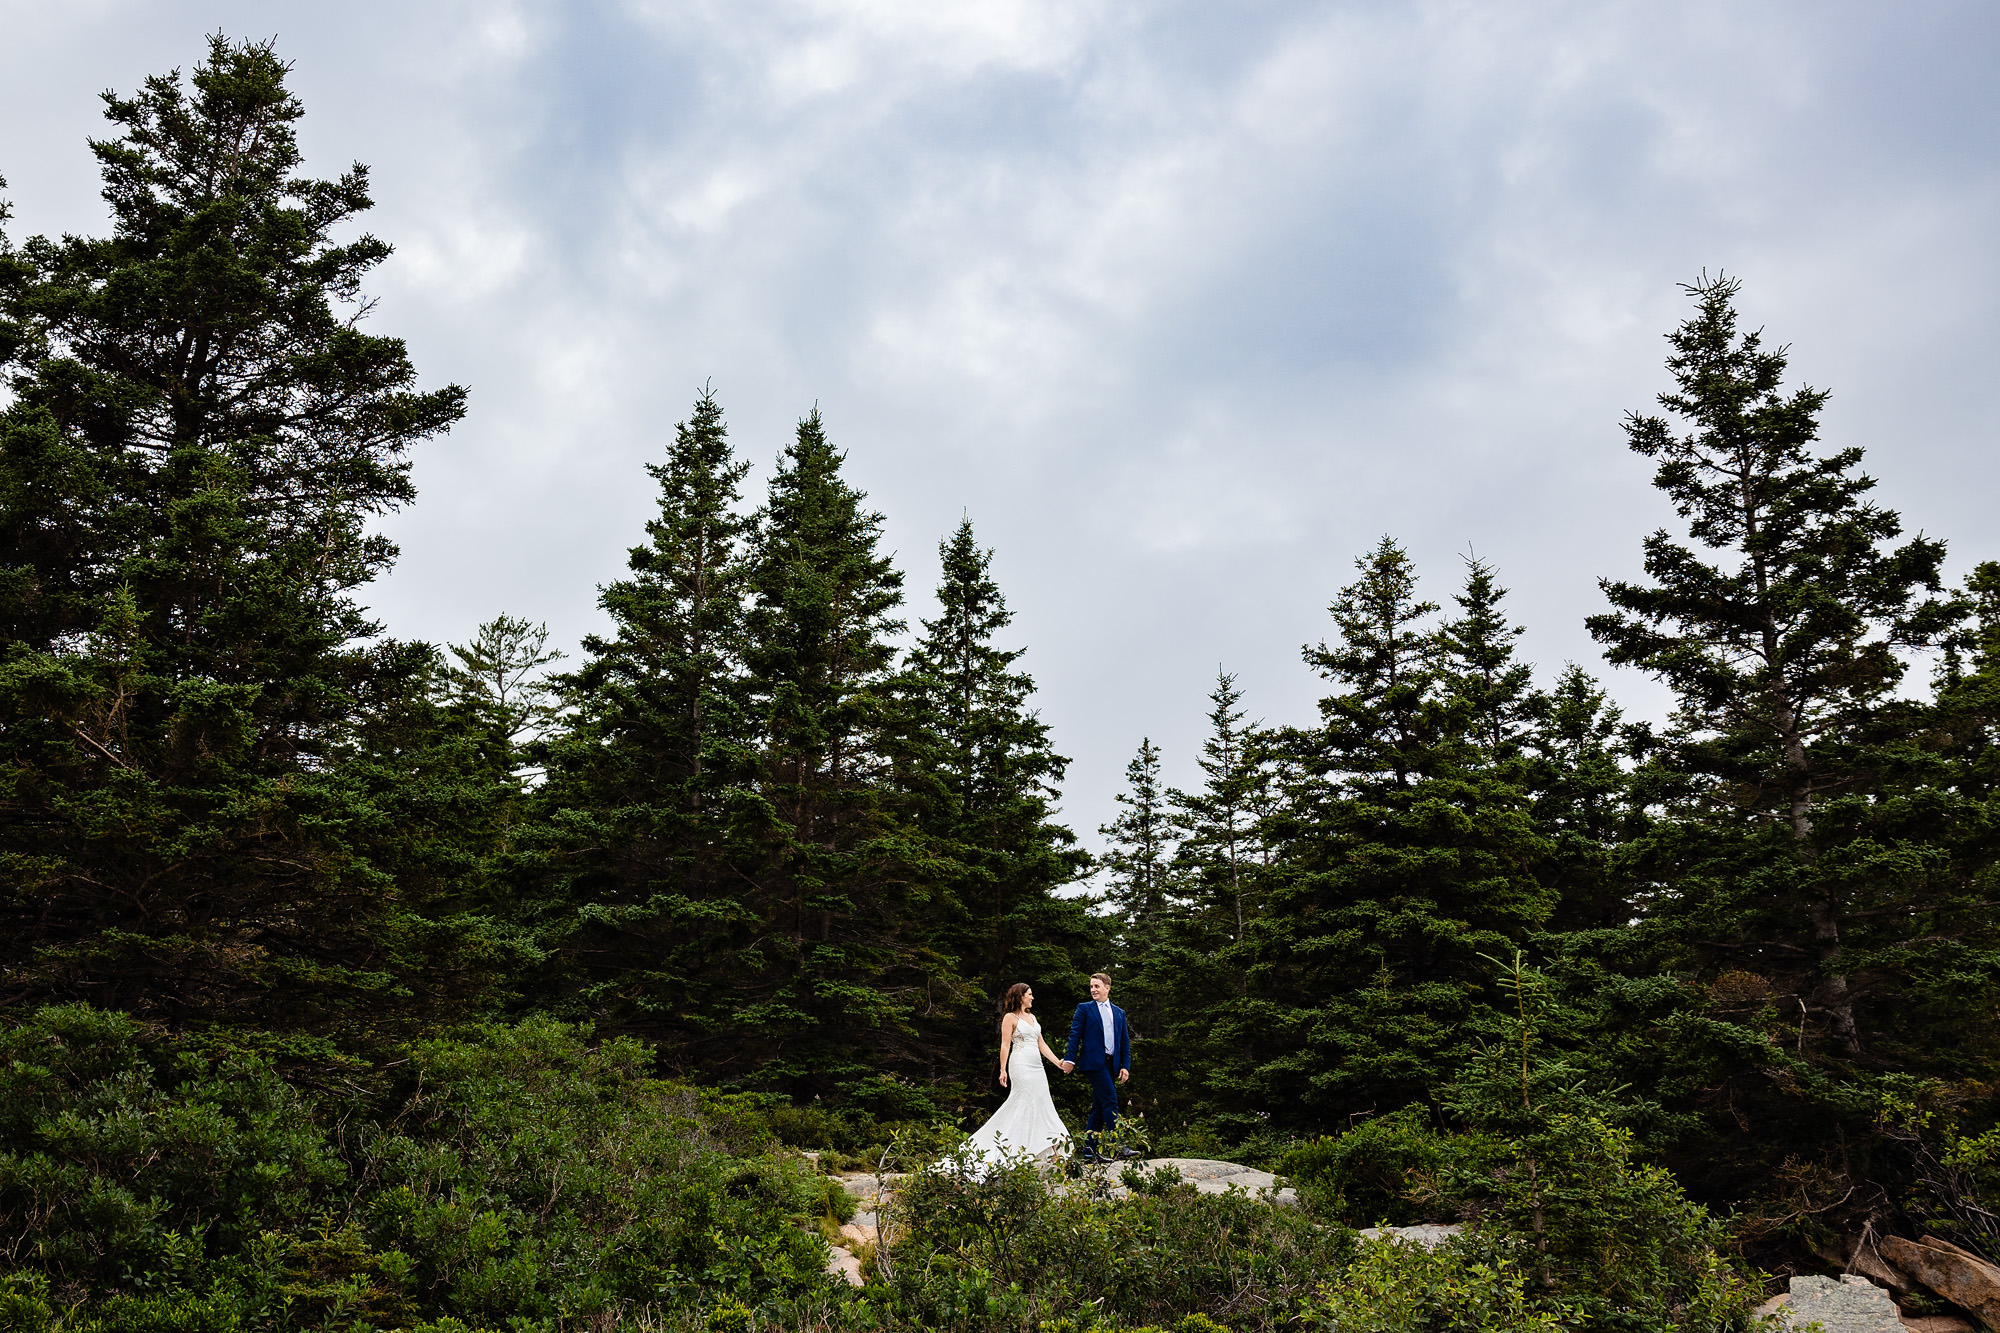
x=1140, y=857
x=984, y=759
x=1493, y=693
x=1383, y=724
x=501, y=675
x=847, y=975
x=1400, y=858
x=1949, y=805
x=1196, y=962
x=198, y=437
x=643, y=839
x=1217, y=827
x=1582, y=804
x=1139, y=863
x=1780, y=631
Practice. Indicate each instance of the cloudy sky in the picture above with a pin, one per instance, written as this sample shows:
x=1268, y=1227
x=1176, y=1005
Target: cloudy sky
x=1185, y=304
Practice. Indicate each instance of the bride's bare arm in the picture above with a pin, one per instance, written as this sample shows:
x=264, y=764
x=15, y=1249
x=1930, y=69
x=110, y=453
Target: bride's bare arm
x=1006, y=1043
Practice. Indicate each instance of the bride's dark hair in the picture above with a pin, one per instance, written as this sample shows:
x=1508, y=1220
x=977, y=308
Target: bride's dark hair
x=1012, y=1004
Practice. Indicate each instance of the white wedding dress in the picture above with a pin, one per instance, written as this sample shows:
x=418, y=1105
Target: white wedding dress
x=1026, y=1125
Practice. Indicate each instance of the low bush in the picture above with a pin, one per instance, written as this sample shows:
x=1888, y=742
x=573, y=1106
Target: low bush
x=1390, y=1169
x=528, y=1180
x=1612, y=1243
x=1605, y=1240
x=516, y=1177
x=530, y=1175
x=1019, y=1246
x=1397, y=1288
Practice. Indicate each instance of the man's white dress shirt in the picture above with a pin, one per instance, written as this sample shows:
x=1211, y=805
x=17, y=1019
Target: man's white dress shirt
x=1104, y=1015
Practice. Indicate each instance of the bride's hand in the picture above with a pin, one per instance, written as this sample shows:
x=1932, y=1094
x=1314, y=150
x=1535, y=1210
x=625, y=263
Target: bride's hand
x=1003, y=1078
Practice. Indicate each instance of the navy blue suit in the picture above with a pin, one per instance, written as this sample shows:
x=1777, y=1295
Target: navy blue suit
x=1086, y=1048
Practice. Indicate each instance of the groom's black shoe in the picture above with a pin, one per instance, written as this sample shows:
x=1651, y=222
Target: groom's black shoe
x=1124, y=1153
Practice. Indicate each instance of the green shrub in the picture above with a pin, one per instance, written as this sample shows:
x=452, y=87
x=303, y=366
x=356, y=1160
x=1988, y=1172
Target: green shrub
x=1392, y=1287
x=128, y=1164
x=731, y=1318
x=1613, y=1243
x=533, y=1175
x=1149, y=1259
x=843, y=1132
x=515, y=1177
x=24, y=1303
x=1191, y=1140
x=1390, y=1169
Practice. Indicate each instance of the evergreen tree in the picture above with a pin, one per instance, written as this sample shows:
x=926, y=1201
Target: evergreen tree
x=1139, y=862
x=1780, y=630
x=1810, y=862
x=1400, y=858
x=848, y=980
x=1197, y=960
x=1140, y=859
x=198, y=435
x=501, y=675
x=644, y=845
x=984, y=759
x=1217, y=827
x=1493, y=693
x=1582, y=801
x=1953, y=968
x=1384, y=723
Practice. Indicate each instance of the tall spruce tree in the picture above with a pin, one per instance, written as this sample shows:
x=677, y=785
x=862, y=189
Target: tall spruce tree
x=1197, y=960
x=1582, y=801
x=1780, y=626
x=1139, y=859
x=1138, y=862
x=1217, y=827
x=1493, y=692
x=198, y=436
x=982, y=759
x=850, y=986
x=1400, y=858
x=643, y=845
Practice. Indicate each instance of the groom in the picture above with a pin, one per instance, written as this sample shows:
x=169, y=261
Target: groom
x=1101, y=1047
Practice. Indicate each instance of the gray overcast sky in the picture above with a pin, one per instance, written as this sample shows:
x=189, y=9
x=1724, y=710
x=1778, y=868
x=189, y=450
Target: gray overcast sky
x=1184, y=303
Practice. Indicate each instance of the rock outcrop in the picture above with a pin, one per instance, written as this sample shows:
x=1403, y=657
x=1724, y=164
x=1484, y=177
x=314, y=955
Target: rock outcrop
x=1958, y=1275
x=1213, y=1177
x=1430, y=1235
x=842, y=1263
x=1839, y=1305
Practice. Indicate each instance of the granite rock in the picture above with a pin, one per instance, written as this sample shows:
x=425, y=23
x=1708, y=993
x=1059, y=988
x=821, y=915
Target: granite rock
x=1430, y=1235
x=1847, y=1304
x=842, y=1264
x=1958, y=1275
x=1212, y=1177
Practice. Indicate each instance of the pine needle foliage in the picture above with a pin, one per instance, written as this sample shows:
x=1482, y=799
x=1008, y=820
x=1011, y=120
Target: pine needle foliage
x=198, y=437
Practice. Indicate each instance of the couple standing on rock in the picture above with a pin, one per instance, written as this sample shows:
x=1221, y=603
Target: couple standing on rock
x=1100, y=1045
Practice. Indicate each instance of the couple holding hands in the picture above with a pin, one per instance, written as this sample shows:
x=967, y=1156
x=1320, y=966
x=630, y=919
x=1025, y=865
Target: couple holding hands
x=1100, y=1047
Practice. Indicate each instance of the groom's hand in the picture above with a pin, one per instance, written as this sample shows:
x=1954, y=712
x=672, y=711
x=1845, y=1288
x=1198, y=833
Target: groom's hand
x=1124, y=1074
x=1066, y=1065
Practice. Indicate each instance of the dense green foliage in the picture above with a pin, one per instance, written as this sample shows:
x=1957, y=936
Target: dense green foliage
x=510, y=1177
x=363, y=984
x=189, y=704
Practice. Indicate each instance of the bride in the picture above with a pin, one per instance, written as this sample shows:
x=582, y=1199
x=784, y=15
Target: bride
x=1026, y=1125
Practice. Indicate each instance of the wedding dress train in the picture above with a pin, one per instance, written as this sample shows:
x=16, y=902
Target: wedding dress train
x=1026, y=1123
